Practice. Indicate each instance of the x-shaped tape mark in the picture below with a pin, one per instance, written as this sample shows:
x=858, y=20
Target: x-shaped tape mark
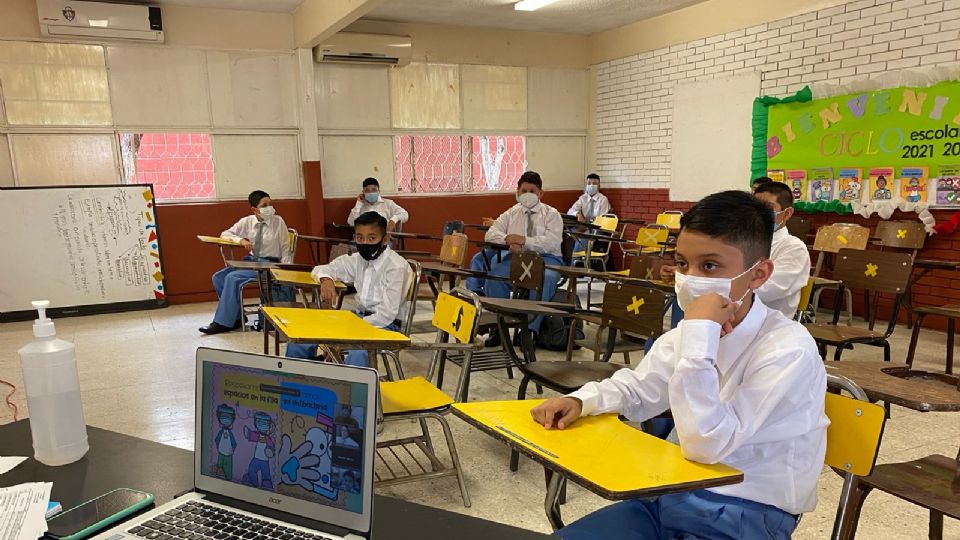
x=527, y=270
x=649, y=236
x=635, y=305
x=871, y=270
x=649, y=274
x=842, y=239
x=901, y=233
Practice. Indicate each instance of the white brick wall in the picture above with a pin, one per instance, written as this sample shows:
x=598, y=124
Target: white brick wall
x=837, y=45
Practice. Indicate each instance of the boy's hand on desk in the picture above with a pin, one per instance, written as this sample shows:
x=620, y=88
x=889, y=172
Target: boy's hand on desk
x=248, y=245
x=516, y=248
x=713, y=307
x=328, y=292
x=559, y=412
x=515, y=239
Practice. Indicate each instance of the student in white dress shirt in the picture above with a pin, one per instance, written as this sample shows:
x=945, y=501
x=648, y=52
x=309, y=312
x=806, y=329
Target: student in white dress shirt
x=370, y=200
x=266, y=236
x=745, y=384
x=592, y=203
x=380, y=275
x=791, y=259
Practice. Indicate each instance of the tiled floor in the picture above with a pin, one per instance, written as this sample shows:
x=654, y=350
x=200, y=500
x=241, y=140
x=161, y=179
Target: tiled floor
x=137, y=375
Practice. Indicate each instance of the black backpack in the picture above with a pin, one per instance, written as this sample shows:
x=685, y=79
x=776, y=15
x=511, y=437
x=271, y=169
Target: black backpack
x=555, y=330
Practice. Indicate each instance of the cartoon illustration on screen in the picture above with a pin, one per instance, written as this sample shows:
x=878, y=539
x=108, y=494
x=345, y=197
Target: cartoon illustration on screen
x=310, y=465
x=322, y=439
x=225, y=441
x=258, y=472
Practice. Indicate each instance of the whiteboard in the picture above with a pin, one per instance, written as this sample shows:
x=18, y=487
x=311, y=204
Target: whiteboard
x=86, y=249
x=712, y=136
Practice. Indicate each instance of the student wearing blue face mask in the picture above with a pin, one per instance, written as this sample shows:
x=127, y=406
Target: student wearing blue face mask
x=592, y=203
x=791, y=259
x=745, y=384
x=370, y=200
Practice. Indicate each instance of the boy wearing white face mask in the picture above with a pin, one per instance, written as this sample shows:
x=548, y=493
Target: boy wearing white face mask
x=791, y=259
x=370, y=200
x=745, y=384
x=265, y=235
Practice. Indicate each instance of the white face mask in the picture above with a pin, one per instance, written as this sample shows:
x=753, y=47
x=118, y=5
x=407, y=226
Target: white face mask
x=528, y=200
x=591, y=189
x=267, y=211
x=689, y=288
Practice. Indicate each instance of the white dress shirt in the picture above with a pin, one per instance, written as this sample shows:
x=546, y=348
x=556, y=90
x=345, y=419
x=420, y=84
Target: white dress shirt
x=274, y=241
x=381, y=284
x=753, y=400
x=385, y=207
x=601, y=205
x=547, y=228
x=791, y=270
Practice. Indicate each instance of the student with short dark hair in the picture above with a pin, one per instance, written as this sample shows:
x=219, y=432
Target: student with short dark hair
x=791, y=259
x=370, y=200
x=592, y=203
x=757, y=182
x=745, y=385
x=380, y=275
x=264, y=234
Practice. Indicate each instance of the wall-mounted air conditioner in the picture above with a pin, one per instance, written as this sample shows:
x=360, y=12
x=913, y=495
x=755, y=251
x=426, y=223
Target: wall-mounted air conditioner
x=365, y=49
x=100, y=20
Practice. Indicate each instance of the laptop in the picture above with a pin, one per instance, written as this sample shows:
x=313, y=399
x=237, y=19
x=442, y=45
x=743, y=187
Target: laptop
x=284, y=449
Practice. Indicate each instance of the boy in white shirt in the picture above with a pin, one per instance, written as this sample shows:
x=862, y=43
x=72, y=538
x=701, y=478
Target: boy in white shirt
x=266, y=236
x=380, y=275
x=791, y=259
x=529, y=225
x=745, y=384
x=370, y=200
x=592, y=203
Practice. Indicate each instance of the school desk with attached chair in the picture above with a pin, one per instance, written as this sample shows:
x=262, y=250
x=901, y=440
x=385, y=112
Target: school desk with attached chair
x=303, y=281
x=225, y=244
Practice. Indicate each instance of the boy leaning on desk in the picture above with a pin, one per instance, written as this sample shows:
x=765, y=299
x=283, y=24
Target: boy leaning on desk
x=380, y=275
x=745, y=384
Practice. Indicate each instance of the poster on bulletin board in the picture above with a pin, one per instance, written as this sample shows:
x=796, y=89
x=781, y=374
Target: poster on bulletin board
x=912, y=133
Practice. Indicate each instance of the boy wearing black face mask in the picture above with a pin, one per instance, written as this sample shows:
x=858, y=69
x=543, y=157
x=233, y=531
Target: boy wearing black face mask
x=380, y=276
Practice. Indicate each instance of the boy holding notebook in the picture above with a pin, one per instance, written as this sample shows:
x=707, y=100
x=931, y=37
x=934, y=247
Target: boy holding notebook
x=745, y=384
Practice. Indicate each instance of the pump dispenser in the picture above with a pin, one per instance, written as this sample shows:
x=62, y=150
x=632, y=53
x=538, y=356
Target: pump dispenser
x=52, y=384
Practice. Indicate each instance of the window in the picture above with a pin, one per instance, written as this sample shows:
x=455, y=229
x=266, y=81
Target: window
x=179, y=165
x=454, y=163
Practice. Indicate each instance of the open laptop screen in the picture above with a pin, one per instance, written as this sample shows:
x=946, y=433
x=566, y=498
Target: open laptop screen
x=296, y=435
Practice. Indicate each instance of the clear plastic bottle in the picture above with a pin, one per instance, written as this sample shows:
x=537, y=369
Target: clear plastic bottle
x=52, y=384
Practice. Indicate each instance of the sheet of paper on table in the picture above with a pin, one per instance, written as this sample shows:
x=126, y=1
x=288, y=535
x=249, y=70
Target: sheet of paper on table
x=9, y=462
x=23, y=511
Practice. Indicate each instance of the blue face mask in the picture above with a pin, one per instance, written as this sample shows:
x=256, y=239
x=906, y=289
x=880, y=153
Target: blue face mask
x=776, y=215
x=372, y=197
x=591, y=189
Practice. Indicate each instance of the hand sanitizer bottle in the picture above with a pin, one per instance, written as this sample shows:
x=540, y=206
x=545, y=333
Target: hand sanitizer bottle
x=53, y=394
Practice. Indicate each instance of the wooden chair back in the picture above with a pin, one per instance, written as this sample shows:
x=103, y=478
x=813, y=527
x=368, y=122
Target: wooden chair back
x=453, y=251
x=902, y=234
x=670, y=218
x=339, y=249
x=832, y=238
x=799, y=227
x=647, y=267
x=633, y=308
x=526, y=273
x=875, y=271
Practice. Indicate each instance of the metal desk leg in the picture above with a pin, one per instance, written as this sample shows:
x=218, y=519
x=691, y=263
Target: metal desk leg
x=551, y=503
x=266, y=338
x=276, y=340
x=586, y=264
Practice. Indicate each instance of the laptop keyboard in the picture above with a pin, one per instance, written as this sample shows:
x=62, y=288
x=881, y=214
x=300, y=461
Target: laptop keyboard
x=195, y=521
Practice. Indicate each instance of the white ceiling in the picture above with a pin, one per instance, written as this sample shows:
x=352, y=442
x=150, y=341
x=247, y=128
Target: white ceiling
x=576, y=16
x=282, y=6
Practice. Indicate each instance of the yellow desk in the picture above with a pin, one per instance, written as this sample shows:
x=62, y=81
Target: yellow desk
x=303, y=280
x=599, y=453
x=222, y=243
x=327, y=326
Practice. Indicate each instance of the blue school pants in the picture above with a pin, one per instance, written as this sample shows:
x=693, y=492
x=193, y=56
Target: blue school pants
x=693, y=515
x=479, y=263
x=361, y=358
x=227, y=282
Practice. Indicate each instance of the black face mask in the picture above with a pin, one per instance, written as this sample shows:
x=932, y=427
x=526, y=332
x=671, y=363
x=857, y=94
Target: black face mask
x=370, y=252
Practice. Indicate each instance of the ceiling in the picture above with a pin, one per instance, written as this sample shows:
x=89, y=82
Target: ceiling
x=575, y=16
x=281, y=6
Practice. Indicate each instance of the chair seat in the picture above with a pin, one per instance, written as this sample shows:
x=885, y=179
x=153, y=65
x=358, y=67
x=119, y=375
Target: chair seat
x=582, y=254
x=570, y=376
x=929, y=482
x=412, y=395
x=951, y=311
x=833, y=334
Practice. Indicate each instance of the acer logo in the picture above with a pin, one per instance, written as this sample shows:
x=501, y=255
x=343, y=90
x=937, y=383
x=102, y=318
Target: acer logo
x=275, y=501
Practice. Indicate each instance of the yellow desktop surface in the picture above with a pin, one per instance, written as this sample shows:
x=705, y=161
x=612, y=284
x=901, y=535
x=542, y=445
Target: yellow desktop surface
x=299, y=278
x=217, y=240
x=328, y=326
x=601, y=453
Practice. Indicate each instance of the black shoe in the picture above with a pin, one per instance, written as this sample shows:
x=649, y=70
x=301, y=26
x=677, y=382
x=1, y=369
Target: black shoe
x=216, y=328
x=493, y=341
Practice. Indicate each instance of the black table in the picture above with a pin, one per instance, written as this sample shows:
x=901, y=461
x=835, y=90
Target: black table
x=117, y=460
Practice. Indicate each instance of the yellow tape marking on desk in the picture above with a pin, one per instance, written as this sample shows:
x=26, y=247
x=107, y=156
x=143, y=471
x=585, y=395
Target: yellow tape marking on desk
x=871, y=270
x=901, y=233
x=635, y=306
x=842, y=239
x=649, y=274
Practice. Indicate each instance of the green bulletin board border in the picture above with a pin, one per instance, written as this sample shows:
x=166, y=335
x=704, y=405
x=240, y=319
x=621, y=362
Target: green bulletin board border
x=758, y=154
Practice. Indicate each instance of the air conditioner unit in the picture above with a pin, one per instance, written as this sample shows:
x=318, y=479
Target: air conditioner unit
x=365, y=49
x=100, y=20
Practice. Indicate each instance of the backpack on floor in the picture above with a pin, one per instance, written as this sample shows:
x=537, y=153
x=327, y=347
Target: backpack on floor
x=555, y=330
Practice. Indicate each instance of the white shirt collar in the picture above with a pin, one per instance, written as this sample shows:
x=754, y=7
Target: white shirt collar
x=734, y=344
x=780, y=233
